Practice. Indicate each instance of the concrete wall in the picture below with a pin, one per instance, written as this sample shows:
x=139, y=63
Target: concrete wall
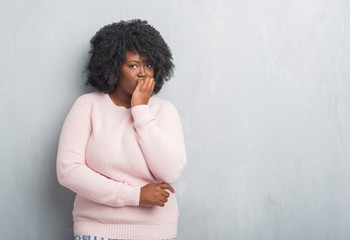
x=262, y=88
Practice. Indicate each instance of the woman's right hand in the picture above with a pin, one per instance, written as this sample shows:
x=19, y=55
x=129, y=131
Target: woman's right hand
x=143, y=92
x=155, y=194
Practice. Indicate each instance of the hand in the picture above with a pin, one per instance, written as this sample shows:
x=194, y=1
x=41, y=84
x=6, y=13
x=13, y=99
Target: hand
x=143, y=92
x=154, y=194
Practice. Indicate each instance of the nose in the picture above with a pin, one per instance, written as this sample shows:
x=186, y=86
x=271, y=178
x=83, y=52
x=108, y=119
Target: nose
x=142, y=71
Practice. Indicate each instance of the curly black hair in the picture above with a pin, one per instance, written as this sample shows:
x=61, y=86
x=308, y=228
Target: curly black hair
x=108, y=51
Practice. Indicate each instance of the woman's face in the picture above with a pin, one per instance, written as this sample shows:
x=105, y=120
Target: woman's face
x=134, y=69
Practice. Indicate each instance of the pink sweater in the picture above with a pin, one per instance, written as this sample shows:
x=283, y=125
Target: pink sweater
x=106, y=153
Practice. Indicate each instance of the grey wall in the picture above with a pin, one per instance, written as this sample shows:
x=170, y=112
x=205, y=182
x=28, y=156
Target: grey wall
x=262, y=88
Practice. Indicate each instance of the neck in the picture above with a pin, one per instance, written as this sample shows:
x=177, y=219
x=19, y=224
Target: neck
x=120, y=98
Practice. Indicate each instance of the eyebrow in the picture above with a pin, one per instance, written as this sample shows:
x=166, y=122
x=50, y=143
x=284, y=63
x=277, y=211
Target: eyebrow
x=134, y=61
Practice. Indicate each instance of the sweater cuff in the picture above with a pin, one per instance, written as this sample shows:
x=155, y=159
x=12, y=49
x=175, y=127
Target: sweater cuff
x=132, y=196
x=140, y=112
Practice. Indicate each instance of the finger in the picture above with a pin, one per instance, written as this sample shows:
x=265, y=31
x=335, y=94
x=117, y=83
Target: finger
x=138, y=86
x=149, y=83
x=153, y=84
x=164, y=186
x=165, y=194
x=171, y=189
x=141, y=83
x=139, y=80
x=162, y=204
x=167, y=186
x=164, y=199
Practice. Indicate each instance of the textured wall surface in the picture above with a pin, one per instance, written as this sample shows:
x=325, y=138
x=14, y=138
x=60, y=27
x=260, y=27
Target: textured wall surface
x=262, y=88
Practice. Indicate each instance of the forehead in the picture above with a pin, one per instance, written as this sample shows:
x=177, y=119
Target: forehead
x=135, y=56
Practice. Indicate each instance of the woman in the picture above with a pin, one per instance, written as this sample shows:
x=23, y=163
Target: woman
x=120, y=147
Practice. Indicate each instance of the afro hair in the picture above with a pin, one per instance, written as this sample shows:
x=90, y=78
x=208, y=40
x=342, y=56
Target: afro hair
x=108, y=51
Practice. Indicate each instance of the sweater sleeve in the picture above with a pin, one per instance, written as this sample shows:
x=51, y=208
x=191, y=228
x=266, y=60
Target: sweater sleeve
x=161, y=141
x=73, y=172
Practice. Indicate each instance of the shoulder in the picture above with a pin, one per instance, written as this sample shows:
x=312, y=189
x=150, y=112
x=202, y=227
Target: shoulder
x=88, y=100
x=90, y=97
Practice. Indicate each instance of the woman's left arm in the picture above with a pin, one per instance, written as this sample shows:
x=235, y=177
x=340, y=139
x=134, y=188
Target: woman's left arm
x=161, y=141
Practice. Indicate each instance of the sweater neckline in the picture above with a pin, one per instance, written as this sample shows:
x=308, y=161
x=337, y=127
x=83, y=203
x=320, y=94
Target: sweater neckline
x=112, y=104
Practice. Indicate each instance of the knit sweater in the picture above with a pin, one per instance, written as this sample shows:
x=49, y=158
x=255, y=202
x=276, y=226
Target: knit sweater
x=106, y=153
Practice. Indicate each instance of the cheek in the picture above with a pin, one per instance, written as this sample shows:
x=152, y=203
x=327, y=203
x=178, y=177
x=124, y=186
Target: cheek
x=151, y=73
x=128, y=76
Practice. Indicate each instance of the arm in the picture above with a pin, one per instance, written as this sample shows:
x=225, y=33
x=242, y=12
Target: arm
x=162, y=141
x=73, y=173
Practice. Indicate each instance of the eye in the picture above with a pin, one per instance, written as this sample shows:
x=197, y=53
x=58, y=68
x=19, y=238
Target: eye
x=132, y=66
x=149, y=66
